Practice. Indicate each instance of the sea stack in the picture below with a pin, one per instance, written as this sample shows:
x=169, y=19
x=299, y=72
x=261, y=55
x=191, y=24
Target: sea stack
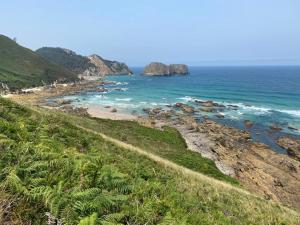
x=160, y=69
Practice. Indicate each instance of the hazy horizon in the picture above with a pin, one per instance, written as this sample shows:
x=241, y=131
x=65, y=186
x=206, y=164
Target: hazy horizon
x=197, y=33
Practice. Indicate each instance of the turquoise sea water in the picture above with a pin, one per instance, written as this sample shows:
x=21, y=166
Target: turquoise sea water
x=265, y=95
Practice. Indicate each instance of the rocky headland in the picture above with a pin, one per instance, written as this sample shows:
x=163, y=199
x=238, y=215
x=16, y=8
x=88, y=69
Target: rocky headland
x=160, y=69
x=85, y=66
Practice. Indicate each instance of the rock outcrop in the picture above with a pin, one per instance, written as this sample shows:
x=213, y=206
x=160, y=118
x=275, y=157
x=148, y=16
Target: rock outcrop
x=104, y=67
x=291, y=145
x=160, y=69
x=85, y=67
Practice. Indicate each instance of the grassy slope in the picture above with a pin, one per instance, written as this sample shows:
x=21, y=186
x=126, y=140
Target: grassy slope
x=167, y=143
x=71, y=61
x=49, y=165
x=21, y=67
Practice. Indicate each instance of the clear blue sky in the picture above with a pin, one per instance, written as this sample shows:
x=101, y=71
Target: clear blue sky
x=196, y=32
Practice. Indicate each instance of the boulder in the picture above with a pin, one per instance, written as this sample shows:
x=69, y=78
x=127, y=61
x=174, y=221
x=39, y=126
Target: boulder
x=114, y=110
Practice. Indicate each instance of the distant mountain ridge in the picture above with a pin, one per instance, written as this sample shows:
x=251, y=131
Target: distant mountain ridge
x=84, y=66
x=20, y=67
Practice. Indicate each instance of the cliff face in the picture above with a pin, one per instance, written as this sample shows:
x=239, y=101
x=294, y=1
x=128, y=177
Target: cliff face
x=93, y=65
x=160, y=69
x=105, y=67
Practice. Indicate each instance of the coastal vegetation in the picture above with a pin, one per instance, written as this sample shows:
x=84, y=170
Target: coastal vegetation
x=55, y=171
x=167, y=143
x=20, y=67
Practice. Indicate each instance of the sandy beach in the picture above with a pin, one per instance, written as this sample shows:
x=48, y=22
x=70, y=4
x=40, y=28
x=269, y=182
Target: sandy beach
x=39, y=97
x=106, y=113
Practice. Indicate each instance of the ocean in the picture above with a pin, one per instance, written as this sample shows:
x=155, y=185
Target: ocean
x=264, y=94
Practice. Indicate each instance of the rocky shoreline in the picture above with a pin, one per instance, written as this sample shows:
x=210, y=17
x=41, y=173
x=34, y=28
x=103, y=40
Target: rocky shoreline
x=256, y=166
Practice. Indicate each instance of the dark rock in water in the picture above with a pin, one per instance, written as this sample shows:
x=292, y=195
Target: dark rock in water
x=114, y=110
x=107, y=107
x=233, y=107
x=160, y=69
x=248, y=123
x=292, y=128
x=146, y=110
x=275, y=127
x=291, y=145
x=210, y=103
x=199, y=101
x=63, y=101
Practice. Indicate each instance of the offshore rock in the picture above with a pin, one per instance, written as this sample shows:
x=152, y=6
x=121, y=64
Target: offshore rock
x=160, y=69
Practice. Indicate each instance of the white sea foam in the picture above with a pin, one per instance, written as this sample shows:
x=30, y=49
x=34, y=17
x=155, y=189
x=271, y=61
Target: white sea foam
x=186, y=98
x=101, y=96
x=295, y=113
x=121, y=83
x=123, y=99
x=258, y=110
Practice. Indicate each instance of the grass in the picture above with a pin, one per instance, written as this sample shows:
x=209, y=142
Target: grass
x=48, y=166
x=167, y=143
x=20, y=67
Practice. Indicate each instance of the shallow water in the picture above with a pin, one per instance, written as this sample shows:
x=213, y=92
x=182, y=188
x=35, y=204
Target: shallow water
x=265, y=95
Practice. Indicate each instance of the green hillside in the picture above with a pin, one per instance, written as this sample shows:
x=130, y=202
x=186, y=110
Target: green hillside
x=66, y=58
x=51, y=169
x=20, y=67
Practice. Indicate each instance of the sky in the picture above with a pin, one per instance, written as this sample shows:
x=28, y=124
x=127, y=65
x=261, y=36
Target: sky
x=195, y=32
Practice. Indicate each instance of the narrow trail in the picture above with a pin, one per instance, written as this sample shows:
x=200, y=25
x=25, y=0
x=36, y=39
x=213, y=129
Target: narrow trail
x=164, y=162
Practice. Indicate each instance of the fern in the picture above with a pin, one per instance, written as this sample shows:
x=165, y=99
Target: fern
x=89, y=220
